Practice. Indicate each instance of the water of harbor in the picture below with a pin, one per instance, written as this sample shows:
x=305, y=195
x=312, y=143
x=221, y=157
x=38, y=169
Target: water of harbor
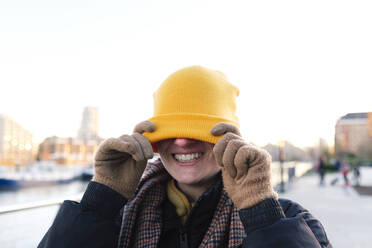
x=25, y=228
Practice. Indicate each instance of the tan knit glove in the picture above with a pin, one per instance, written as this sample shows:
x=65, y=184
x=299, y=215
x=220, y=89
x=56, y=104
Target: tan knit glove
x=245, y=168
x=120, y=162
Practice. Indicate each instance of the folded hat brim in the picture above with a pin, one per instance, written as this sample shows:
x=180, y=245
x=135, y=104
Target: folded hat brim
x=192, y=126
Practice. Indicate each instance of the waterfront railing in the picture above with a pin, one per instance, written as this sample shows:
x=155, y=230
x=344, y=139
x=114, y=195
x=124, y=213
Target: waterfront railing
x=38, y=204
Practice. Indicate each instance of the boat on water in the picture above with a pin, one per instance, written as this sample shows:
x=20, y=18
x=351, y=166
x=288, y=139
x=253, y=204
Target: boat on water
x=87, y=173
x=39, y=174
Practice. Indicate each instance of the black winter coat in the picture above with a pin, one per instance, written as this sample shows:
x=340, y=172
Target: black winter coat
x=95, y=222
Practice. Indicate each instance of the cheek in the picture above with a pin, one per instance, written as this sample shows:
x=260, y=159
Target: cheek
x=211, y=159
x=159, y=146
x=215, y=167
x=162, y=147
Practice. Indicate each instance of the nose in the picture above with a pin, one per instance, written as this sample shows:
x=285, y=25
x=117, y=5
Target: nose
x=183, y=142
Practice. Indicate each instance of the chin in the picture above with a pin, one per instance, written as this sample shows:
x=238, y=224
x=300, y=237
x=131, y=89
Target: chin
x=185, y=179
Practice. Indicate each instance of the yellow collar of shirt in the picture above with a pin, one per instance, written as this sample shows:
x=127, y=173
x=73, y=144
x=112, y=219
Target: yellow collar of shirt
x=179, y=200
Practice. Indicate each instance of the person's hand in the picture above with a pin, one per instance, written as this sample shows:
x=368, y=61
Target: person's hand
x=245, y=168
x=120, y=162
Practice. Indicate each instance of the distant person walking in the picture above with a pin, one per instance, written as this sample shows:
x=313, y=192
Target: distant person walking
x=356, y=174
x=345, y=168
x=338, y=169
x=322, y=169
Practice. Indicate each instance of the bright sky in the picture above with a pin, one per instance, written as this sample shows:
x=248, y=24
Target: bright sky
x=300, y=65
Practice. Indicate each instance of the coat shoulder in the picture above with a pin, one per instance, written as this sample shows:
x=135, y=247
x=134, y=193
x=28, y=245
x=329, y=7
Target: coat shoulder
x=291, y=208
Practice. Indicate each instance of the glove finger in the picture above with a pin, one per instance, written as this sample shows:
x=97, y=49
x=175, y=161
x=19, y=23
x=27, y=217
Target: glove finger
x=136, y=151
x=103, y=148
x=227, y=179
x=262, y=156
x=229, y=156
x=144, y=126
x=145, y=145
x=252, y=158
x=113, y=145
x=241, y=161
x=223, y=127
x=220, y=146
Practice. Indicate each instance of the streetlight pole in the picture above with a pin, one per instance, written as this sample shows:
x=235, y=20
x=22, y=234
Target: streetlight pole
x=281, y=160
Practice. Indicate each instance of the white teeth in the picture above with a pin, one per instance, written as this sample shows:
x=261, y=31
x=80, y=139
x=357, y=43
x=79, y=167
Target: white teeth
x=187, y=157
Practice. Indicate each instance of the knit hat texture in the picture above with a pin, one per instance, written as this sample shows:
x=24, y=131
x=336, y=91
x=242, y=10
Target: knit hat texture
x=190, y=102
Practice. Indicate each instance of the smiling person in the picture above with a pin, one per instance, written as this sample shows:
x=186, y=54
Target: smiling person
x=208, y=188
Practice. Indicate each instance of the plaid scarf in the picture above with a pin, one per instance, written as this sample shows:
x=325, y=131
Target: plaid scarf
x=142, y=224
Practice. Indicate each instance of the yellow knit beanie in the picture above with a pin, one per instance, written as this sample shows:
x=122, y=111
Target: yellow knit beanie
x=190, y=102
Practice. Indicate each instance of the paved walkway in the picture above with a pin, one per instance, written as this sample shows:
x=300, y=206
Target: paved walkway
x=346, y=215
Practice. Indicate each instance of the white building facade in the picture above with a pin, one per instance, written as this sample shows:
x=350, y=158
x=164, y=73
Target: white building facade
x=16, y=144
x=89, y=124
x=353, y=134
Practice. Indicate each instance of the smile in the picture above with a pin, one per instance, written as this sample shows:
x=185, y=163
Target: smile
x=184, y=158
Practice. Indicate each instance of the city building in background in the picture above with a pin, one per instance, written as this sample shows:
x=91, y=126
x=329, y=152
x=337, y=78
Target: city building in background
x=17, y=148
x=74, y=151
x=68, y=151
x=16, y=144
x=353, y=135
x=89, y=124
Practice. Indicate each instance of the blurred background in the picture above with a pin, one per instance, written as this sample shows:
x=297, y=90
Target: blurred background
x=73, y=73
